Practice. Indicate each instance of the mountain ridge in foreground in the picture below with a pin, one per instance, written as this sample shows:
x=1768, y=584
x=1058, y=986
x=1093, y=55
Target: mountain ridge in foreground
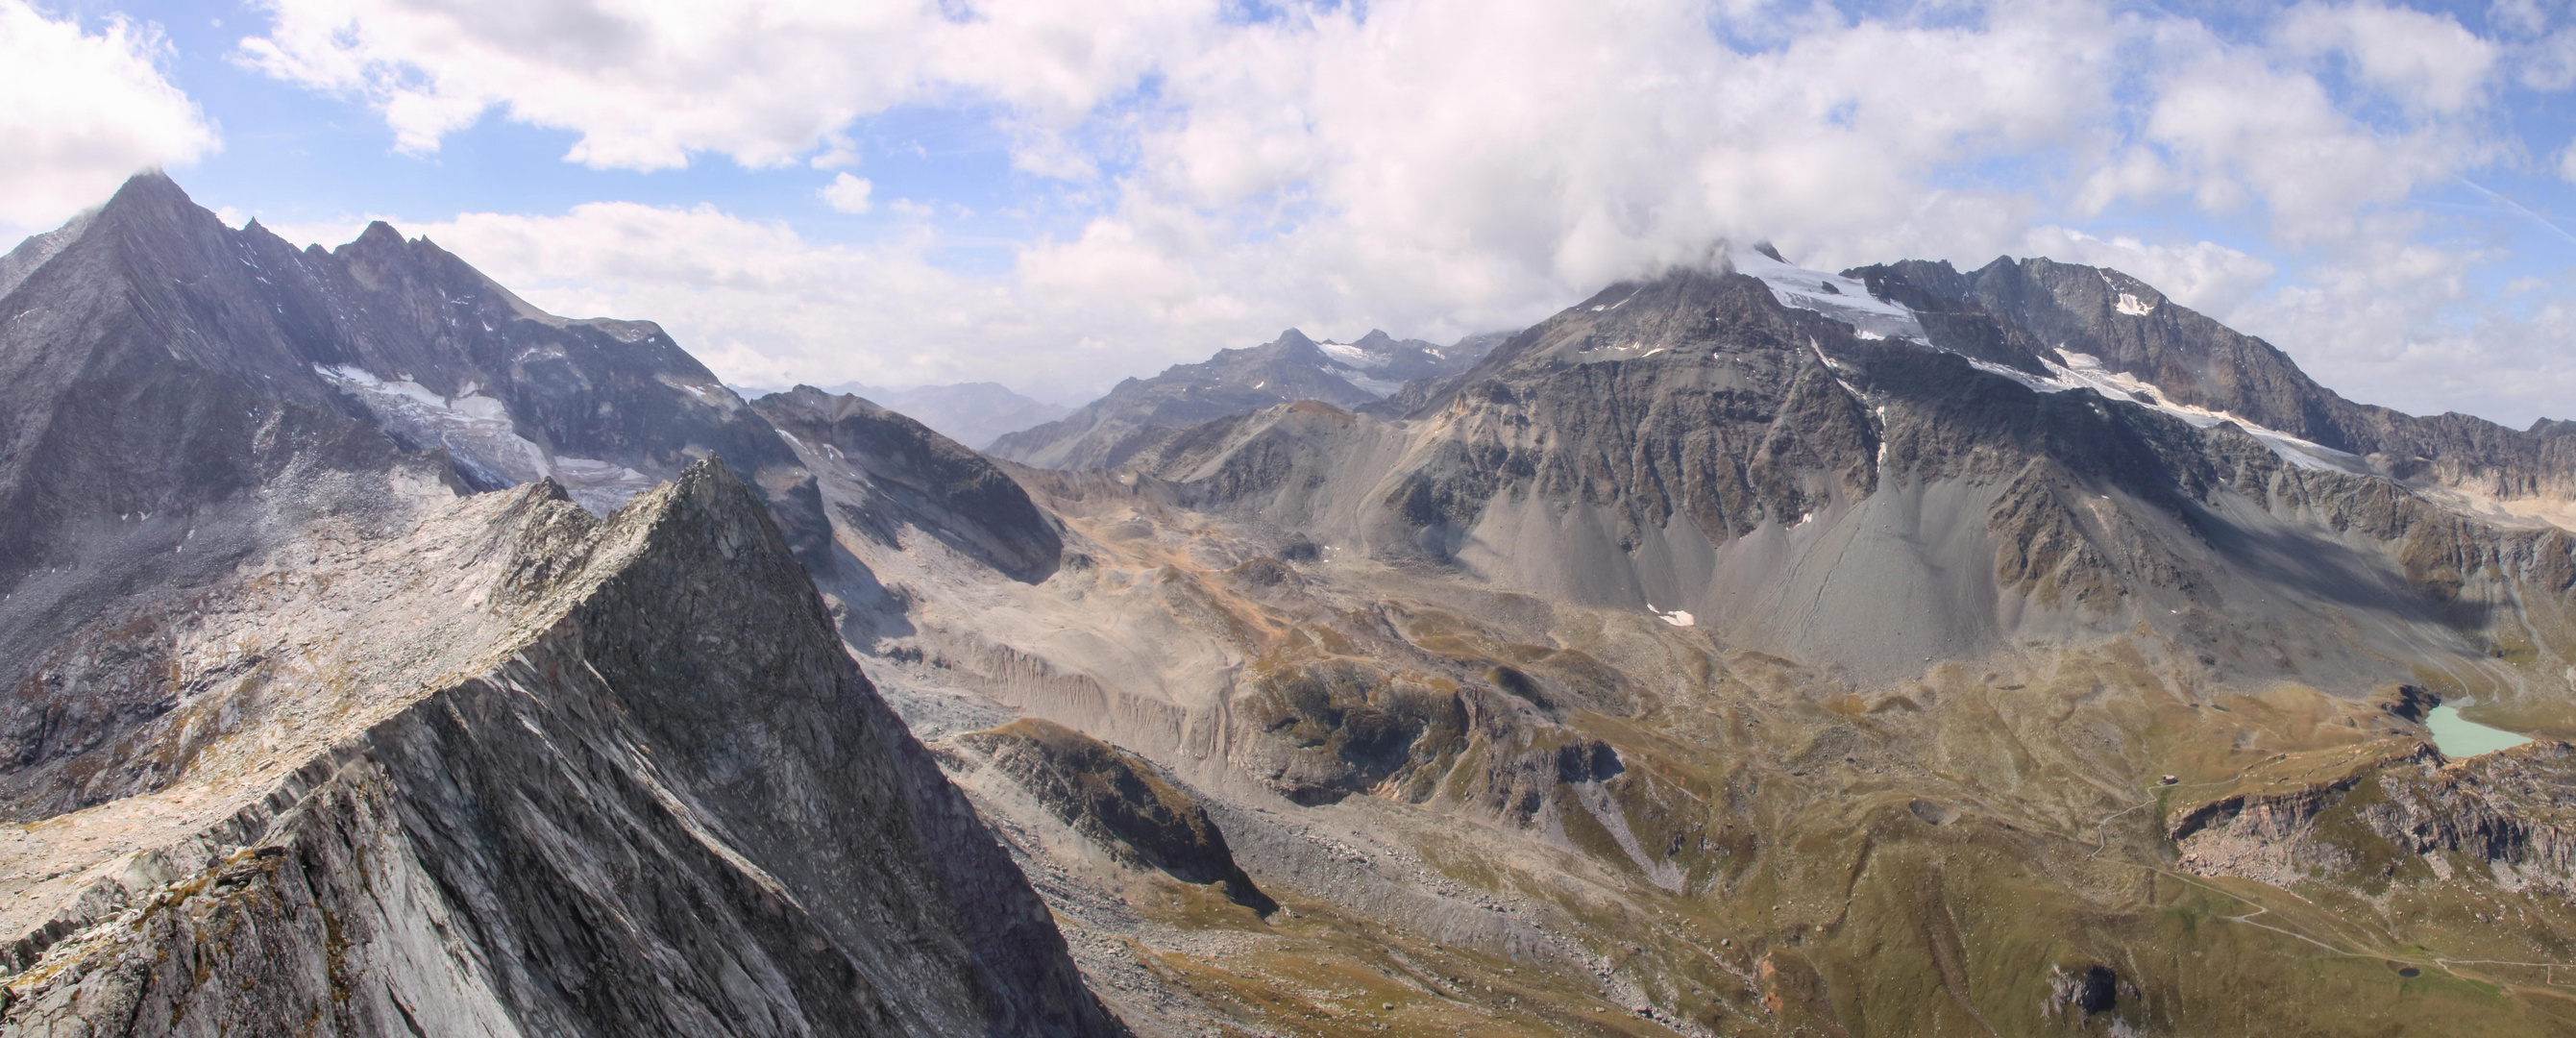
x=1743, y=650
x=306, y=735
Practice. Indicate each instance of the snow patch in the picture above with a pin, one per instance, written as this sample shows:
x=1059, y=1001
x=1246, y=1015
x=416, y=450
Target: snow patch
x=480, y=438
x=2130, y=305
x=1677, y=618
x=1378, y=387
x=1832, y=295
x=1353, y=355
x=2085, y=371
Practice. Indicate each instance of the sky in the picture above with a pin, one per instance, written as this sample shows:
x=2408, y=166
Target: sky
x=1057, y=195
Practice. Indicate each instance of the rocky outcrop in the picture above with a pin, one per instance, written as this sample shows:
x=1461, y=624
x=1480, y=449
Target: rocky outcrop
x=1120, y=802
x=628, y=784
x=2511, y=814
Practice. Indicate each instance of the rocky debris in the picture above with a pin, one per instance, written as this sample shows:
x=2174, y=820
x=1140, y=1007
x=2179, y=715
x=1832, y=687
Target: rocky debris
x=656, y=798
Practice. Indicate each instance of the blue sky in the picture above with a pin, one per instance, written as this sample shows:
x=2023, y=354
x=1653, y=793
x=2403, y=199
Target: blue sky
x=1058, y=196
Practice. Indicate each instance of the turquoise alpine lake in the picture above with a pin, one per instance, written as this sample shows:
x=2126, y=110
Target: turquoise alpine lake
x=2459, y=737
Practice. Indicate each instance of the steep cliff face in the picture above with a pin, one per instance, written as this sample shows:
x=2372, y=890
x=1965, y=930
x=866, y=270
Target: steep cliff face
x=527, y=772
x=154, y=336
x=186, y=398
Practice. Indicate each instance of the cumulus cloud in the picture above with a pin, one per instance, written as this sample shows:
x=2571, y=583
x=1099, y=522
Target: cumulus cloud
x=765, y=306
x=83, y=108
x=1444, y=166
x=848, y=194
x=2420, y=60
x=2205, y=276
x=645, y=85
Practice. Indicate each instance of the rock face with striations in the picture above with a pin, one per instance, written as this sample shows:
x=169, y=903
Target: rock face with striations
x=303, y=734
x=598, y=778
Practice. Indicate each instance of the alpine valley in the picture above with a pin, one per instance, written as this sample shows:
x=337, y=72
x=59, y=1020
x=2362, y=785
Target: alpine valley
x=1745, y=650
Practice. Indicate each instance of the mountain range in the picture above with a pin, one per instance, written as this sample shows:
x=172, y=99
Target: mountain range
x=1373, y=369
x=1745, y=649
x=971, y=413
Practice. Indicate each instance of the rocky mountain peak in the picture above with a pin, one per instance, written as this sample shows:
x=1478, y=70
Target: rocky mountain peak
x=1236, y=381
x=329, y=736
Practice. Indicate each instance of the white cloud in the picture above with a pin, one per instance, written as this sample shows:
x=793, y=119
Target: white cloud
x=2236, y=132
x=2422, y=61
x=763, y=81
x=2205, y=276
x=2526, y=17
x=1444, y=166
x=848, y=194
x=2410, y=326
x=763, y=305
x=83, y=110
x=2549, y=64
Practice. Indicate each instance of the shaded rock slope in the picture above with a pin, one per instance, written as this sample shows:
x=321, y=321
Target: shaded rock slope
x=1115, y=799
x=886, y=471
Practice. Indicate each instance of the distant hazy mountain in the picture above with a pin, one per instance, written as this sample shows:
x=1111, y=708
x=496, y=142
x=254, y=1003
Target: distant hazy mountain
x=1142, y=412
x=971, y=413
